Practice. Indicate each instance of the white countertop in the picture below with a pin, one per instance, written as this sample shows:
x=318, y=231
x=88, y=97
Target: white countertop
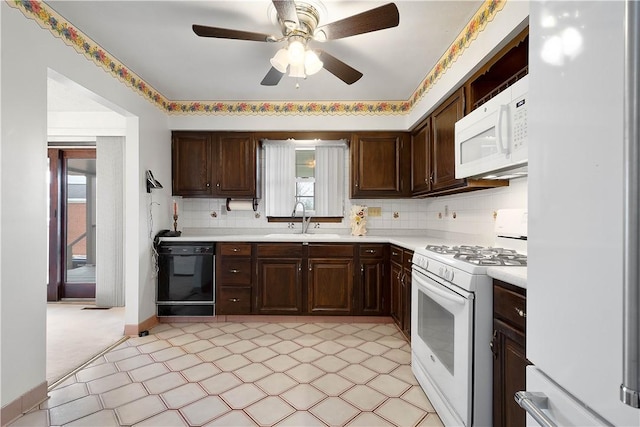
x=516, y=276
x=407, y=242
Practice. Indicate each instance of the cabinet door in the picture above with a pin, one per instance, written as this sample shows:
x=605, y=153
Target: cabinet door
x=191, y=164
x=443, y=122
x=330, y=286
x=406, y=304
x=378, y=165
x=396, y=309
x=372, y=298
x=509, y=367
x=279, y=286
x=235, y=165
x=421, y=160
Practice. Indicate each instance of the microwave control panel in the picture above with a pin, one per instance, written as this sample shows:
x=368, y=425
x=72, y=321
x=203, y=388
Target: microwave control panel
x=519, y=120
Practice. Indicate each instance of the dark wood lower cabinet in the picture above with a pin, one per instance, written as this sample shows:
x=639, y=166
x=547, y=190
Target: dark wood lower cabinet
x=279, y=286
x=509, y=353
x=330, y=286
x=234, y=279
x=373, y=290
x=279, y=278
x=296, y=278
x=396, y=293
x=401, y=288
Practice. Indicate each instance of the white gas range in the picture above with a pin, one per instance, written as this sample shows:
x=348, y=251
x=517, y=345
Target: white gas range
x=451, y=320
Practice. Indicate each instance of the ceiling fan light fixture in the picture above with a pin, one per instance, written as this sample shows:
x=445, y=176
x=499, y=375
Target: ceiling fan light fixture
x=312, y=63
x=280, y=60
x=297, y=70
x=296, y=52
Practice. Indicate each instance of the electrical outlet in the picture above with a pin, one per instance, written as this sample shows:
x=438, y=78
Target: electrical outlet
x=374, y=211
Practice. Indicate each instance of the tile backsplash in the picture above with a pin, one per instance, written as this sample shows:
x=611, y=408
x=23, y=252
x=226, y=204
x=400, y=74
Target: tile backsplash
x=469, y=213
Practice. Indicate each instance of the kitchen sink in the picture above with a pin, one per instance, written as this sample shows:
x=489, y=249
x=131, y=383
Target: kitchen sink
x=297, y=236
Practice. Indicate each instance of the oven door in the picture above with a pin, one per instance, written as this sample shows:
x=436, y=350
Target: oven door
x=442, y=341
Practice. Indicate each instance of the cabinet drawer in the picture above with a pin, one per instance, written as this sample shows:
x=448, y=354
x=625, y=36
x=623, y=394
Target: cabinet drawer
x=510, y=306
x=396, y=254
x=234, y=249
x=235, y=271
x=280, y=250
x=406, y=259
x=233, y=300
x=333, y=251
x=372, y=251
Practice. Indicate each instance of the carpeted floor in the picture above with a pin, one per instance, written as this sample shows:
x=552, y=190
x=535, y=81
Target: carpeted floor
x=76, y=332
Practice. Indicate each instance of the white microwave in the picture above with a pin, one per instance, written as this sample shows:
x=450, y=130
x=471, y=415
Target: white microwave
x=491, y=142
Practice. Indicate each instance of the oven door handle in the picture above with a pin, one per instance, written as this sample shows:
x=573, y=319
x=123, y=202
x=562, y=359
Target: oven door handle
x=450, y=296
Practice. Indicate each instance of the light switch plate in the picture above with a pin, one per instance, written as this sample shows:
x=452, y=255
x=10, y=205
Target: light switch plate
x=374, y=211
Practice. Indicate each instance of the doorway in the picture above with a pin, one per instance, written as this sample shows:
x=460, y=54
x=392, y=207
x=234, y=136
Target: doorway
x=72, y=223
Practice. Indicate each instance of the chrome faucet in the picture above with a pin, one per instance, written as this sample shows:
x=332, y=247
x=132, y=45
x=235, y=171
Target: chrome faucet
x=305, y=221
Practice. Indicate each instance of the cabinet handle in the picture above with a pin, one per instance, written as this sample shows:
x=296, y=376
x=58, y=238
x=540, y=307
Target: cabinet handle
x=234, y=299
x=492, y=344
x=310, y=266
x=234, y=271
x=362, y=269
x=235, y=250
x=218, y=184
x=370, y=251
x=208, y=184
x=520, y=312
x=395, y=253
x=431, y=177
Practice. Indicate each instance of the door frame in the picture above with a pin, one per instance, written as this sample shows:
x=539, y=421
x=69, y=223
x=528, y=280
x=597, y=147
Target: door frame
x=57, y=288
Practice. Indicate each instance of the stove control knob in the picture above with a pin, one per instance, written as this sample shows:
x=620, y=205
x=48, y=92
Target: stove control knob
x=441, y=272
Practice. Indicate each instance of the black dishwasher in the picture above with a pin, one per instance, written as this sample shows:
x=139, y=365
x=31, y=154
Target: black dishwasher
x=186, y=279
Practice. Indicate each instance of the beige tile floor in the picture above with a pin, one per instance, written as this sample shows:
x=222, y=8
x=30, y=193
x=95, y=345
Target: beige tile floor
x=245, y=374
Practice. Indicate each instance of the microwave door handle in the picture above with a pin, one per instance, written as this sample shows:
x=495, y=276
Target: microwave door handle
x=504, y=109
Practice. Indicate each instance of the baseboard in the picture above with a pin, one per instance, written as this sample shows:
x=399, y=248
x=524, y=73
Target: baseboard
x=240, y=318
x=23, y=404
x=144, y=326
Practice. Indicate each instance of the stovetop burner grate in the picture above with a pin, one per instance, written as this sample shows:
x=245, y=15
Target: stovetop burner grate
x=481, y=255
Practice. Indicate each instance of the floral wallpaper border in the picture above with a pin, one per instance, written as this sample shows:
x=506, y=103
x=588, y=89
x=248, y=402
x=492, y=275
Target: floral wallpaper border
x=59, y=27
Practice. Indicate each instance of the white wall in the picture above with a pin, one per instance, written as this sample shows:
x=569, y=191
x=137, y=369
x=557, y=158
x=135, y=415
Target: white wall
x=25, y=62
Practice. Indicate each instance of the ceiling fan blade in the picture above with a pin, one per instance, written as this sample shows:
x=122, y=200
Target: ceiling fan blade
x=287, y=13
x=272, y=78
x=344, y=72
x=223, y=33
x=380, y=18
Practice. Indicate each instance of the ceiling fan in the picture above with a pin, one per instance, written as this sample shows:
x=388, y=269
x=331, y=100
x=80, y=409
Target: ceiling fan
x=298, y=22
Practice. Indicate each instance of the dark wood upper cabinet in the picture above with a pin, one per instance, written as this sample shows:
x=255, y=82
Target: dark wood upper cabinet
x=443, y=121
x=421, y=159
x=502, y=70
x=379, y=165
x=213, y=164
x=236, y=165
x=191, y=164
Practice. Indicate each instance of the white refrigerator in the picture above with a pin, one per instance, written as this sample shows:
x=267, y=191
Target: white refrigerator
x=582, y=323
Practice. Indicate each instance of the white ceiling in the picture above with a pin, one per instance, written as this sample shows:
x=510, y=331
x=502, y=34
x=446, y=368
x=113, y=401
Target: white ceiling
x=154, y=39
